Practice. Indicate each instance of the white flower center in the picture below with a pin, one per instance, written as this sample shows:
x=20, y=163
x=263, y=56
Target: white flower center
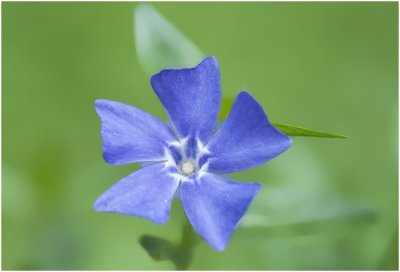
x=188, y=168
x=187, y=157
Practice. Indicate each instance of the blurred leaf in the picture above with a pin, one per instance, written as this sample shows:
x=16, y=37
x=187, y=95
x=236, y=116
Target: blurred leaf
x=329, y=216
x=301, y=200
x=156, y=247
x=160, y=249
x=305, y=132
x=160, y=45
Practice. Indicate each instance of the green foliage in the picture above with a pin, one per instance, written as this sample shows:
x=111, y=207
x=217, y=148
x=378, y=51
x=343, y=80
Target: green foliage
x=160, y=249
x=180, y=254
x=305, y=132
x=160, y=45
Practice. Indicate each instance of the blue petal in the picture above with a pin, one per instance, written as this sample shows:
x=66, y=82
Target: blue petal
x=246, y=139
x=214, y=206
x=146, y=193
x=191, y=97
x=131, y=135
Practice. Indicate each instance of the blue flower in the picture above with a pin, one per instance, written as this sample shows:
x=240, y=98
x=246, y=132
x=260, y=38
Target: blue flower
x=189, y=156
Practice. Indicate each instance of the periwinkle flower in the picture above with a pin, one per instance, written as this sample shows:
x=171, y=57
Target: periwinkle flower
x=189, y=156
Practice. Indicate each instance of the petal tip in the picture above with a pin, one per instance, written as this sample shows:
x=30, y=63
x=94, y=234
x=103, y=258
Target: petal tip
x=286, y=140
x=97, y=106
x=101, y=105
x=220, y=247
x=99, y=205
x=108, y=158
x=99, y=102
x=257, y=187
x=289, y=141
x=245, y=94
x=210, y=60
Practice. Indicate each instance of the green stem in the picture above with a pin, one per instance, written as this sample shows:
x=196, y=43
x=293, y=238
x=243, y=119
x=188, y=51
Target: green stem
x=188, y=236
x=189, y=240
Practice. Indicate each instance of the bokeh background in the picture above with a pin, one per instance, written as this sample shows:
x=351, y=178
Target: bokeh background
x=325, y=203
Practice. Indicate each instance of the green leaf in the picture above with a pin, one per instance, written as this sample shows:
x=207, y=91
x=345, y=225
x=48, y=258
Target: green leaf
x=156, y=247
x=305, y=132
x=160, y=249
x=160, y=45
x=289, y=130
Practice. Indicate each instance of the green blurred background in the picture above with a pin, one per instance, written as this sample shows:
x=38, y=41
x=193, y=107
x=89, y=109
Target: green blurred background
x=325, y=203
